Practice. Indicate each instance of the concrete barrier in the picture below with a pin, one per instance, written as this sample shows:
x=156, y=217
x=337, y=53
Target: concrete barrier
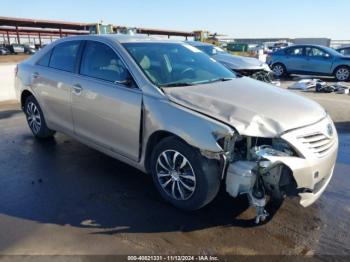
x=7, y=82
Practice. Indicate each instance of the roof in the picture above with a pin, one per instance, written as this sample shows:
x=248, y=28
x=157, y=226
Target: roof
x=24, y=22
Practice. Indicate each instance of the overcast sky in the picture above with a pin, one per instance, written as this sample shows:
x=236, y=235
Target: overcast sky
x=235, y=18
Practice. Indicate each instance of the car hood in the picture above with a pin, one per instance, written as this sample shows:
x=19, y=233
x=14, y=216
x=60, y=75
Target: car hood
x=239, y=62
x=252, y=107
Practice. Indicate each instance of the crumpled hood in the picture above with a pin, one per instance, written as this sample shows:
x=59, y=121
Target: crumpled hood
x=239, y=62
x=252, y=107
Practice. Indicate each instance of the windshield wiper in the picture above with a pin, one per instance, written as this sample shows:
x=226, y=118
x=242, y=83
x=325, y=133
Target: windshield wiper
x=222, y=79
x=177, y=84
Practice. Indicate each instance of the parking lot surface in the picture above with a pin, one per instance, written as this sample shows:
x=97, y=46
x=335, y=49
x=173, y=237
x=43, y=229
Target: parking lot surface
x=61, y=197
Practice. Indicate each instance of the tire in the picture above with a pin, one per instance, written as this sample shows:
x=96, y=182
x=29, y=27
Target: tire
x=342, y=73
x=35, y=119
x=195, y=179
x=279, y=70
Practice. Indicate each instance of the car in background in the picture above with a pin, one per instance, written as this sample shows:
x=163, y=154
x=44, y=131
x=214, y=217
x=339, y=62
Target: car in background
x=344, y=51
x=16, y=48
x=29, y=49
x=241, y=65
x=4, y=51
x=310, y=60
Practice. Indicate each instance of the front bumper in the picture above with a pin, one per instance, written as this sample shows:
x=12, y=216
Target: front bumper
x=319, y=148
x=312, y=170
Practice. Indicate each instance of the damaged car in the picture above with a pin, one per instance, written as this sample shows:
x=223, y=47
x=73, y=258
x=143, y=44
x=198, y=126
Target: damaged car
x=241, y=65
x=170, y=110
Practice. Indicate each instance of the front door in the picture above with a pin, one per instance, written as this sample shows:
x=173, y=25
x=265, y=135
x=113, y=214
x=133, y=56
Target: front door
x=295, y=59
x=106, y=110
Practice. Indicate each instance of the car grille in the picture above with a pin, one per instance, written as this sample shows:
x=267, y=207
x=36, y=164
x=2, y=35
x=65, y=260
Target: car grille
x=318, y=143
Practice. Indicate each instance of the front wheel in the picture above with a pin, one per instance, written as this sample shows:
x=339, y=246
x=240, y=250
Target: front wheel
x=342, y=73
x=279, y=70
x=35, y=119
x=184, y=177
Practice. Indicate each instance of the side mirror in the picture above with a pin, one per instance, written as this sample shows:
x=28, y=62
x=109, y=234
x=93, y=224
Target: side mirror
x=128, y=81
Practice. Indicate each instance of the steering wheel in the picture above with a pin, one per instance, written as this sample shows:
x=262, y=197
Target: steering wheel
x=187, y=71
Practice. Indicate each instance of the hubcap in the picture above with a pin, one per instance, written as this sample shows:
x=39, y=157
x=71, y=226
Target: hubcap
x=278, y=70
x=175, y=175
x=342, y=74
x=33, y=117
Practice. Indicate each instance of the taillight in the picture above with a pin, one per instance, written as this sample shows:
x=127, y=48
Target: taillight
x=16, y=70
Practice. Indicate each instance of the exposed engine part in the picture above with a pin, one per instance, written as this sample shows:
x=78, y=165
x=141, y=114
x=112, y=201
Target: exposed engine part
x=240, y=177
x=261, y=75
x=259, y=174
x=257, y=198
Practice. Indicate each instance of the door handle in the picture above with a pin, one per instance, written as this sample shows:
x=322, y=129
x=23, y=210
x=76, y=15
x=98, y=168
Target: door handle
x=77, y=88
x=35, y=75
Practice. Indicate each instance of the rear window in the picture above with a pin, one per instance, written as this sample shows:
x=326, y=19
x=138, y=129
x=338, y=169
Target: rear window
x=64, y=56
x=44, y=61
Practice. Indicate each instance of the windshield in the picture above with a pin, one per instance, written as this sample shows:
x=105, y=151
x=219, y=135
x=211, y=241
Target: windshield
x=176, y=64
x=210, y=49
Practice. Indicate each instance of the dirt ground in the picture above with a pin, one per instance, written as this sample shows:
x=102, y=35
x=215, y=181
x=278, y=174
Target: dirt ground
x=13, y=58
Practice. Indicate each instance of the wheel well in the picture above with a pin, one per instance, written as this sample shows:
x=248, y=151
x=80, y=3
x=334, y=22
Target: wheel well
x=339, y=67
x=278, y=63
x=25, y=94
x=153, y=140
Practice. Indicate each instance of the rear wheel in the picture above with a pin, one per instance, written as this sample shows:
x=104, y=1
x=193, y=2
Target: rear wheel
x=35, y=119
x=342, y=73
x=182, y=175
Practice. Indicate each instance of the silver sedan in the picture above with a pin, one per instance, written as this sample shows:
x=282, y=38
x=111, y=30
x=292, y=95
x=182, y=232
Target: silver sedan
x=170, y=110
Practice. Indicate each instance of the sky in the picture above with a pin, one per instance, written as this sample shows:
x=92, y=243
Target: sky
x=234, y=18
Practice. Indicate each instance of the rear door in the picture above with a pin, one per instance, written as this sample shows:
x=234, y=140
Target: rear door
x=106, y=110
x=294, y=59
x=52, y=80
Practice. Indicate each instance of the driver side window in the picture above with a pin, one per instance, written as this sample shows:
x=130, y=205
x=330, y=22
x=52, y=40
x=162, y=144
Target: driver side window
x=101, y=62
x=295, y=51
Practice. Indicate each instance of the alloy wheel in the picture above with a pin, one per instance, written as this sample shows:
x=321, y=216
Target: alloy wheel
x=175, y=175
x=342, y=74
x=278, y=70
x=33, y=117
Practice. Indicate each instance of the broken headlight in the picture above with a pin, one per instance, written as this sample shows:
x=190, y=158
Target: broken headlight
x=282, y=146
x=276, y=147
x=248, y=148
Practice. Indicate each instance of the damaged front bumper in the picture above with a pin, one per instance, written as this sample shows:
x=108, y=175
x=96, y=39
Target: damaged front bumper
x=318, y=145
x=305, y=173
